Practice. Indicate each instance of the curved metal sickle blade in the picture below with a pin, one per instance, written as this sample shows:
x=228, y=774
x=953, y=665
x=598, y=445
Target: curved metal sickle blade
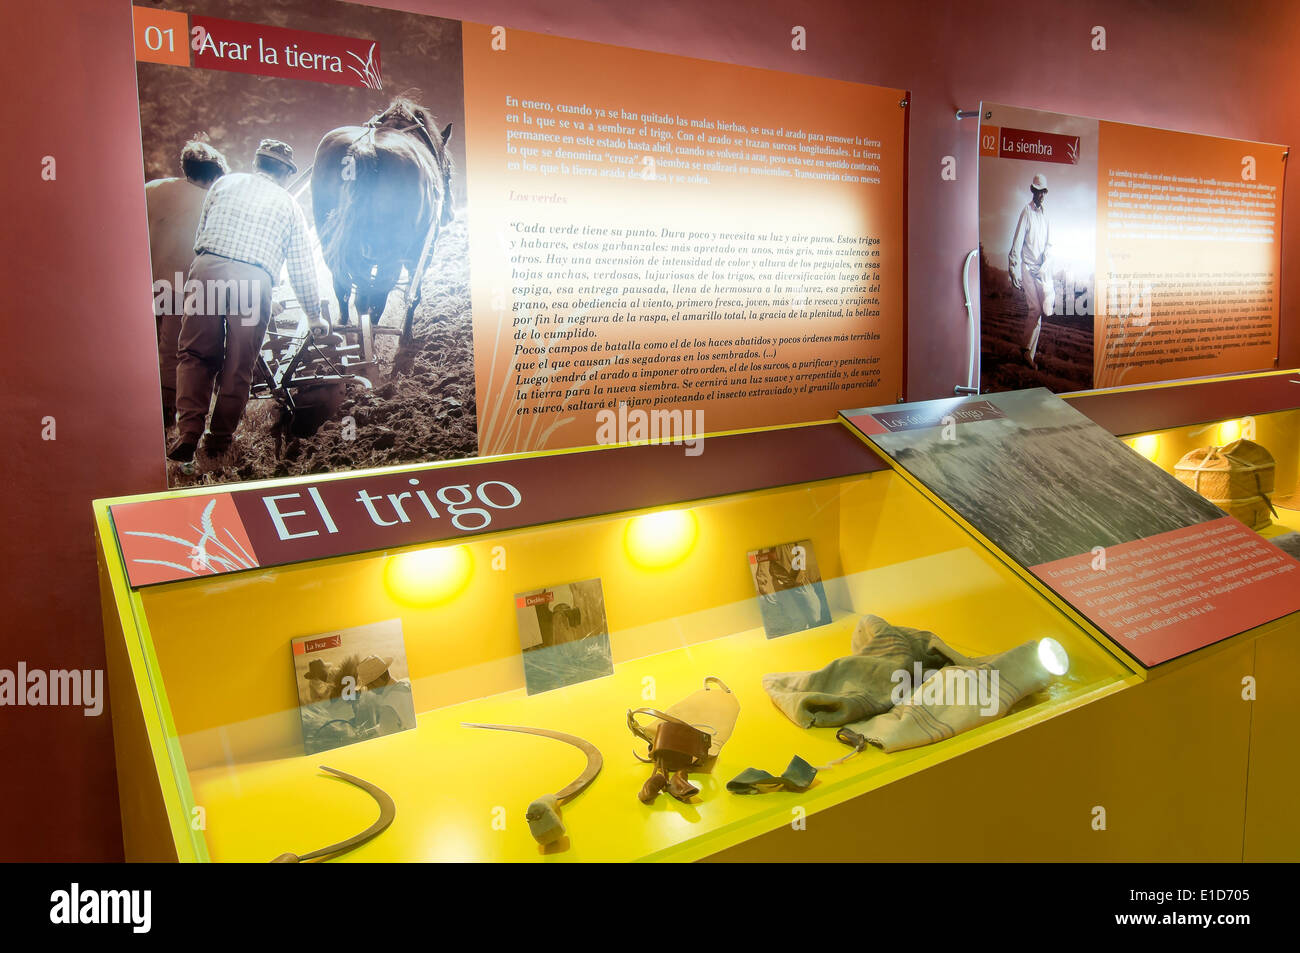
x=387, y=811
x=595, y=761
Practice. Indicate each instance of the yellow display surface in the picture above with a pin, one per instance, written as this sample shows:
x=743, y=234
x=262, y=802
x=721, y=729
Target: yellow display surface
x=454, y=786
x=1166, y=761
x=220, y=668
x=1272, y=821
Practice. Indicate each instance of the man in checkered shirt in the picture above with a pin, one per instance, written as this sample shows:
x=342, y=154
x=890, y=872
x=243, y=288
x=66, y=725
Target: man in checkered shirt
x=249, y=229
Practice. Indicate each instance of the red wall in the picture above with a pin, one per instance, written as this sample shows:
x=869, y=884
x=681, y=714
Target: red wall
x=78, y=342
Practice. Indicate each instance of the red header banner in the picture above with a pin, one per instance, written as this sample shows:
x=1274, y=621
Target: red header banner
x=289, y=54
x=1038, y=146
x=187, y=537
x=164, y=36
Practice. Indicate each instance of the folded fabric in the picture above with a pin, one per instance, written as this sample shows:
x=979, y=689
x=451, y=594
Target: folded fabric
x=859, y=686
x=798, y=776
x=956, y=699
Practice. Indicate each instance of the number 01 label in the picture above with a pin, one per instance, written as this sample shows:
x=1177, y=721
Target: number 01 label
x=161, y=36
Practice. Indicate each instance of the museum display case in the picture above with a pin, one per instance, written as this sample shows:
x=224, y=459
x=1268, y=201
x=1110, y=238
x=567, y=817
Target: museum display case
x=658, y=562
x=1166, y=423
x=213, y=749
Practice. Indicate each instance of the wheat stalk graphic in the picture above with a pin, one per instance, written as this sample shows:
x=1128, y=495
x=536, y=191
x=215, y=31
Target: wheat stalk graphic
x=369, y=73
x=199, y=556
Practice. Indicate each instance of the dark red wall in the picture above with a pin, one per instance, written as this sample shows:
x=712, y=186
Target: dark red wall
x=78, y=341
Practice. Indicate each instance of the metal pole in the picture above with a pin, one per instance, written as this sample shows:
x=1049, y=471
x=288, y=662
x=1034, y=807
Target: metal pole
x=972, y=385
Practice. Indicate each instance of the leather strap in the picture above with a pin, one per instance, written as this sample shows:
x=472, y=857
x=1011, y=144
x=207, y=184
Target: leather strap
x=674, y=748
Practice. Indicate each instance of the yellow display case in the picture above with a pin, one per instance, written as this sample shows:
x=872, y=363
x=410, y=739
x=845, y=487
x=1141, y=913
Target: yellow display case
x=1166, y=422
x=210, y=748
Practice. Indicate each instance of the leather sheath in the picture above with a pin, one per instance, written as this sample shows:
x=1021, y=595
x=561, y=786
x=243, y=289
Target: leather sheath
x=675, y=748
x=714, y=708
x=679, y=745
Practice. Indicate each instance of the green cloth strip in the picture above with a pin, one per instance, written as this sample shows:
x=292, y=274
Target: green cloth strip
x=797, y=777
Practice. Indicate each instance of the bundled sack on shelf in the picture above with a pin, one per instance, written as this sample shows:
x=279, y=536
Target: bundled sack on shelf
x=861, y=694
x=1237, y=479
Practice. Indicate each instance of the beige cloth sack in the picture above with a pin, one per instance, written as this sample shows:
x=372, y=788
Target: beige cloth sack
x=923, y=721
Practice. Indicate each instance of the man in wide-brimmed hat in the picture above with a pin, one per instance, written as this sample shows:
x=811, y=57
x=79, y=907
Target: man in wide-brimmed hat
x=384, y=703
x=1028, y=266
x=249, y=229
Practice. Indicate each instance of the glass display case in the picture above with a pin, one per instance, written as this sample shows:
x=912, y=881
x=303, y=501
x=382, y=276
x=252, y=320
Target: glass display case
x=570, y=591
x=1167, y=423
x=208, y=659
x=1175, y=424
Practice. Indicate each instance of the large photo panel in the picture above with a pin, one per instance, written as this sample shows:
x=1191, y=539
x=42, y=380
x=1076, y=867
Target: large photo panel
x=355, y=101
x=1115, y=254
x=382, y=238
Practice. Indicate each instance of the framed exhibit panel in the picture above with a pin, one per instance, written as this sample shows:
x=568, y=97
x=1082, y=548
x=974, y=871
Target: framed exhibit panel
x=1114, y=254
x=745, y=647
x=1158, y=567
x=540, y=244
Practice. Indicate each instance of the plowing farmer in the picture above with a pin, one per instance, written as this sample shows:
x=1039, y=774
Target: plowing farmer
x=250, y=227
x=1028, y=266
x=174, y=207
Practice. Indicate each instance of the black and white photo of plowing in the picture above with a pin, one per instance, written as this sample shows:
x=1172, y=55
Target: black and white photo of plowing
x=392, y=380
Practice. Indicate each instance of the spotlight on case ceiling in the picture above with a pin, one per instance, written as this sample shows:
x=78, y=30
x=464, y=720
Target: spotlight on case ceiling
x=1229, y=431
x=428, y=577
x=659, y=540
x=1148, y=445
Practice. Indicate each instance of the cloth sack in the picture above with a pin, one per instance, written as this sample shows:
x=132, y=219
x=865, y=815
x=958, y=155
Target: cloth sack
x=859, y=686
x=923, y=722
x=856, y=691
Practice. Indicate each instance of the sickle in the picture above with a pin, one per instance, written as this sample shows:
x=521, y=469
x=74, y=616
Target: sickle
x=544, y=813
x=387, y=811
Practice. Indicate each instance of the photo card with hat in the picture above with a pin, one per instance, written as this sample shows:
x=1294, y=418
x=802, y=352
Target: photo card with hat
x=353, y=685
x=564, y=635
